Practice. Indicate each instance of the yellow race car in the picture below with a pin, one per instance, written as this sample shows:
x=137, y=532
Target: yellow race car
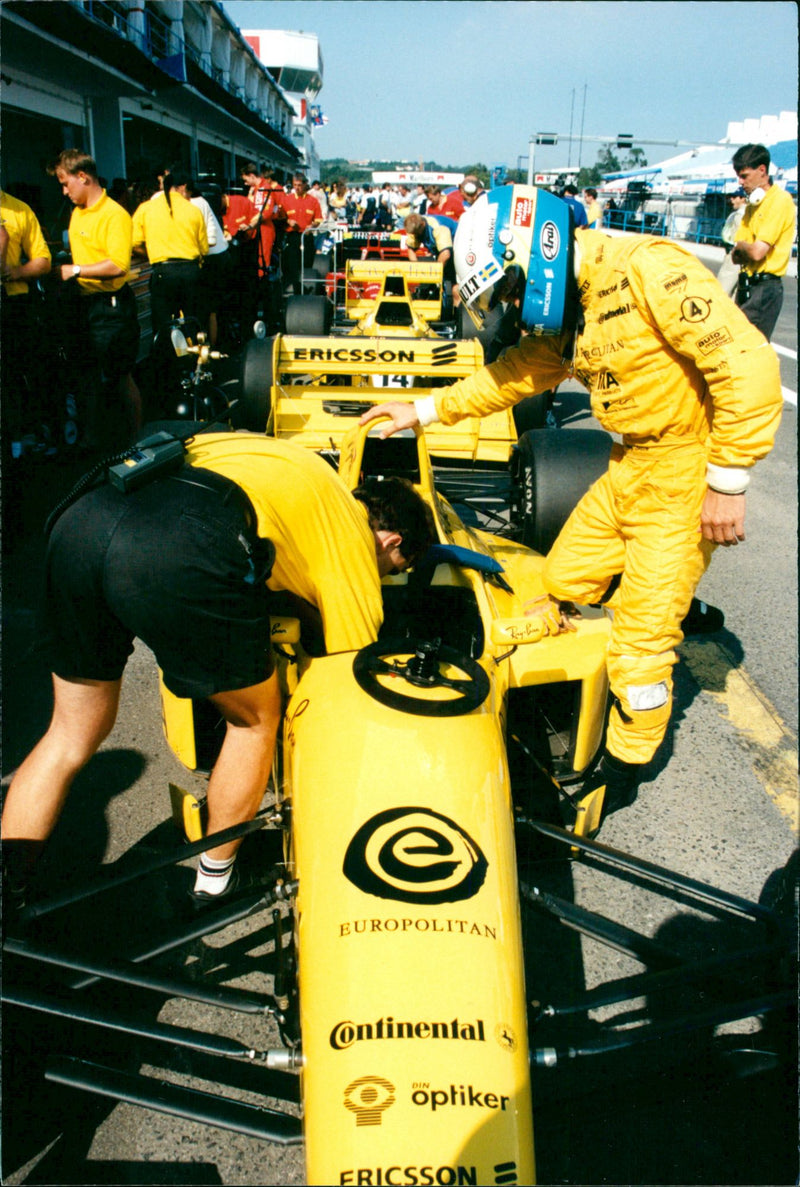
x=310, y=383
x=413, y=778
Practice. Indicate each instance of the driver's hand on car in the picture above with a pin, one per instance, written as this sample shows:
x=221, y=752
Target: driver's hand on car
x=555, y=614
x=403, y=416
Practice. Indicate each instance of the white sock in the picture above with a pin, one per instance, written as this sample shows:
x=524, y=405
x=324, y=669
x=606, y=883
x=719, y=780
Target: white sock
x=213, y=876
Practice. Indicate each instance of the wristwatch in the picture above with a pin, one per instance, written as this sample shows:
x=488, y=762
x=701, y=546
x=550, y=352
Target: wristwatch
x=76, y=269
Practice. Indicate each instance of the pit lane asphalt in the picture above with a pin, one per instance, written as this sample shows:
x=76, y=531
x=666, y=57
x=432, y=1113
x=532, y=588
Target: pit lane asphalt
x=709, y=808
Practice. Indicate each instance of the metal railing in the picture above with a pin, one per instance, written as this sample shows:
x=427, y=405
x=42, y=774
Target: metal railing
x=159, y=39
x=156, y=37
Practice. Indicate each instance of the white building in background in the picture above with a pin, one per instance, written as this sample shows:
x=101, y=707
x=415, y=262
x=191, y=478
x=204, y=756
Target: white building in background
x=139, y=84
x=295, y=62
x=707, y=168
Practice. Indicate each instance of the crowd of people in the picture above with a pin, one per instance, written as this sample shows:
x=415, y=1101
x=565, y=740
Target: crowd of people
x=695, y=396
x=220, y=257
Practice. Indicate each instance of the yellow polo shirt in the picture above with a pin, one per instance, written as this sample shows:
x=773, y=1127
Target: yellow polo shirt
x=771, y=221
x=101, y=232
x=170, y=232
x=25, y=239
x=325, y=548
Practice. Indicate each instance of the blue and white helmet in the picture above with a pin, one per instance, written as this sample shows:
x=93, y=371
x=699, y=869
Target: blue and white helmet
x=516, y=243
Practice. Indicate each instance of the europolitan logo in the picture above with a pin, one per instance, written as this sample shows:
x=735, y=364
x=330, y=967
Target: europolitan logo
x=414, y=855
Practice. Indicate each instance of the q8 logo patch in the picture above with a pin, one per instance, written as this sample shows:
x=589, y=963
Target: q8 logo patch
x=414, y=855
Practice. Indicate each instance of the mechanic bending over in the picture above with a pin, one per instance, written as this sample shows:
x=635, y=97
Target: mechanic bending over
x=187, y=563
x=677, y=370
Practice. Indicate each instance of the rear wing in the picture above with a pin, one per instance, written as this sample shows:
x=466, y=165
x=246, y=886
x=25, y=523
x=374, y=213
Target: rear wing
x=342, y=378
x=432, y=358
x=370, y=281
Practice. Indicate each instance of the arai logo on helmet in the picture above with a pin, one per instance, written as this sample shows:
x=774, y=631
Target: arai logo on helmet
x=549, y=240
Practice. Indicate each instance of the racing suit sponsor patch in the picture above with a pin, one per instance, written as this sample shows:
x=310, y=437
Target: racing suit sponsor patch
x=714, y=340
x=673, y=280
x=647, y=696
x=695, y=309
x=620, y=311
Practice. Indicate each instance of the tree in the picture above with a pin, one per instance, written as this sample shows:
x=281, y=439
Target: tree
x=480, y=171
x=609, y=162
x=635, y=159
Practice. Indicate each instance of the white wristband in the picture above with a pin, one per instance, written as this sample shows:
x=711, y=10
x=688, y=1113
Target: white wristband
x=426, y=411
x=727, y=480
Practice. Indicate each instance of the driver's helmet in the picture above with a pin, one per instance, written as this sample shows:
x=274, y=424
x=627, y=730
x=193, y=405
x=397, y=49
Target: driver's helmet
x=515, y=243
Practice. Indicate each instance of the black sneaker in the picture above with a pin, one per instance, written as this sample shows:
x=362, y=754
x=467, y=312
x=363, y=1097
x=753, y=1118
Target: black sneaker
x=702, y=619
x=241, y=882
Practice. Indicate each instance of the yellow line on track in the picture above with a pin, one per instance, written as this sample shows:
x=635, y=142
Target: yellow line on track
x=771, y=745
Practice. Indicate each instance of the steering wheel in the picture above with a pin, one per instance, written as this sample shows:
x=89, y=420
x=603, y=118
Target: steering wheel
x=424, y=670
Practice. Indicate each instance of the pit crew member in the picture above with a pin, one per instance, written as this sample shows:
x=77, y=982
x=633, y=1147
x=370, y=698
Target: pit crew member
x=461, y=198
x=171, y=232
x=107, y=333
x=435, y=234
x=25, y=257
x=302, y=213
x=763, y=245
x=190, y=563
x=674, y=368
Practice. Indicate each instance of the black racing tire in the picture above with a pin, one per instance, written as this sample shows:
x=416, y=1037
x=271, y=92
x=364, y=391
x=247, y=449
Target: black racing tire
x=531, y=413
x=552, y=469
x=255, y=393
x=308, y=316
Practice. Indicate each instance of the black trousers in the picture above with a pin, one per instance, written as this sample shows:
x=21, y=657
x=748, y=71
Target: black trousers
x=760, y=298
x=174, y=290
x=297, y=250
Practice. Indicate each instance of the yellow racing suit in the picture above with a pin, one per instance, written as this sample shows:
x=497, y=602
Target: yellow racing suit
x=693, y=389
x=325, y=548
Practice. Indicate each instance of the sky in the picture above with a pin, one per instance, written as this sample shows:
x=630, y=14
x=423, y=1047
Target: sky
x=466, y=81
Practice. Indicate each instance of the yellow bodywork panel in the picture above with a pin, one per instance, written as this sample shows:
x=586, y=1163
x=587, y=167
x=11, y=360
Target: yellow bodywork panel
x=324, y=384
x=418, y=1041
x=187, y=812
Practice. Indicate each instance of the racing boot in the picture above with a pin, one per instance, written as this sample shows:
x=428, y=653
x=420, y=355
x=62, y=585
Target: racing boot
x=611, y=786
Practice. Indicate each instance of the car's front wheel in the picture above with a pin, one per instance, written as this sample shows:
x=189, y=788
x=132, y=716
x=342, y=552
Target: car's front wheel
x=257, y=377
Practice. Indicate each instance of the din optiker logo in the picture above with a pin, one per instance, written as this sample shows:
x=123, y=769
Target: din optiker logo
x=369, y=1097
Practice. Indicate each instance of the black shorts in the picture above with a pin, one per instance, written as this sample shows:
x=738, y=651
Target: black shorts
x=171, y=564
